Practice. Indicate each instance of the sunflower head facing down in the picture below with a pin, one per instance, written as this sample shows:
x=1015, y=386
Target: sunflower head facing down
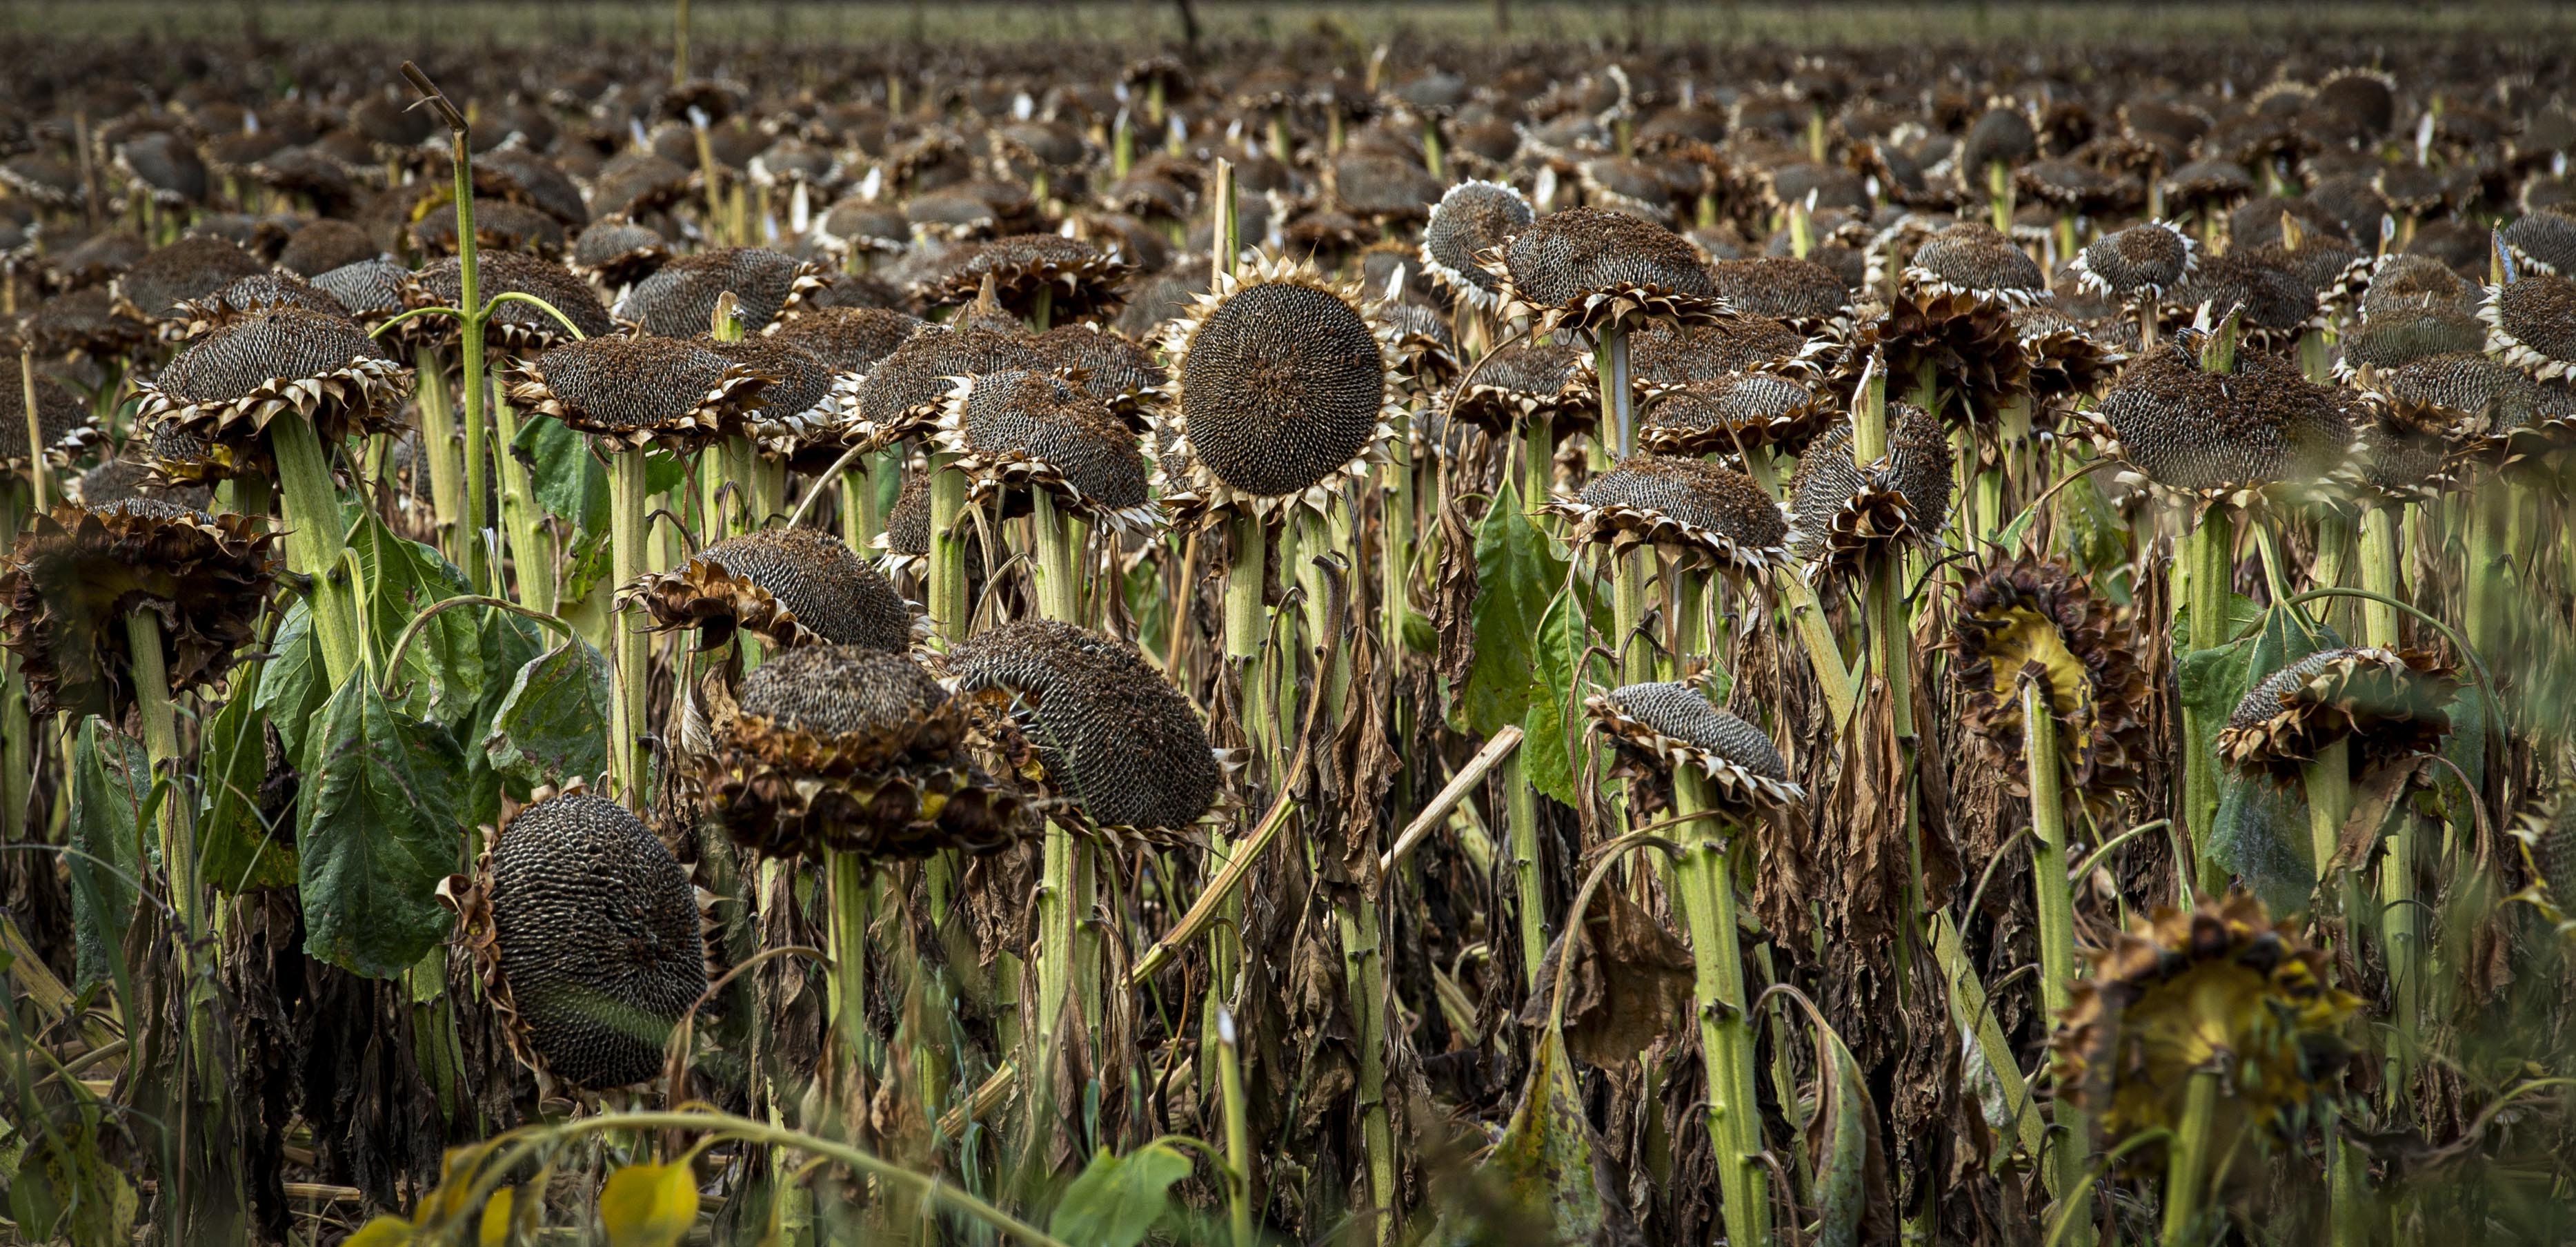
x=2029, y=619
x=1592, y=269
x=1661, y=726
x=2548, y=837
x=2388, y=703
x=2218, y=986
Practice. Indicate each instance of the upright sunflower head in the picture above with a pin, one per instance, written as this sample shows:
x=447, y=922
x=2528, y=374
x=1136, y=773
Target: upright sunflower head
x=2387, y=703
x=1105, y=734
x=1690, y=506
x=1592, y=268
x=2026, y=619
x=1019, y=430
x=1281, y=389
x=75, y=575
x=1665, y=726
x=2216, y=987
x=855, y=750
x=788, y=586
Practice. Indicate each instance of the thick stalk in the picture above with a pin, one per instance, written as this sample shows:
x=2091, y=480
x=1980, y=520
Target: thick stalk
x=1704, y=880
x=2329, y=786
x=1395, y=590
x=531, y=556
x=1521, y=813
x=470, y=351
x=948, y=604
x=2187, y=1159
x=2055, y=907
x=316, y=532
x=633, y=653
x=1238, y=1133
x=437, y=445
x=2210, y=553
x=1610, y=363
x=849, y=880
x=2401, y=926
x=1060, y=905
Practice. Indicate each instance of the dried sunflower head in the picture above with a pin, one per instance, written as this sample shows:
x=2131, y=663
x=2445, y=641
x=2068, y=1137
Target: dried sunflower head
x=1803, y=294
x=2398, y=335
x=1471, y=219
x=1280, y=390
x=2066, y=358
x=75, y=575
x=795, y=409
x=903, y=394
x=2406, y=281
x=2029, y=619
x=679, y=299
x=83, y=322
x=589, y=939
x=231, y=381
x=1111, y=741
x=1524, y=381
x=191, y=268
x=250, y=294
x=2388, y=703
x=1732, y=413
x=850, y=340
x=2278, y=305
x=2137, y=263
x=1968, y=345
x=617, y=253
x=1971, y=259
x=1843, y=514
x=2548, y=838
x=1018, y=430
x=1690, y=506
x=1670, y=725
x=65, y=424
x=1591, y=268
x=370, y=292
x=1079, y=280
x=788, y=586
x=2219, y=986
x=854, y=750
x=515, y=329
x=2543, y=241
x=1108, y=365
x=640, y=391
x=2225, y=435
x=2531, y=324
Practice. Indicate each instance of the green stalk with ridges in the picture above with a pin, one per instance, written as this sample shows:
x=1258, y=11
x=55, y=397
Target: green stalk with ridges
x=1704, y=891
x=2055, y=907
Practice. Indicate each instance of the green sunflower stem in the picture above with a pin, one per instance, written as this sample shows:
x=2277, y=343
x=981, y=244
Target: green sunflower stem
x=1521, y=813
x=2187, y=1160
x=849, y=880
x=2329, y=785
x=948, y=604
x=161, y=740
x=1238, y=1134
x=530, y=556
x=1610, y=364
x=1538, y=459
x=1704, y=883
x=1628, y=614
x=17, y=726
x=2400, y=925
x=2210, y=558
x=1065, y=965
x=1396, y=567
x=626, y=526
x=316, y=533
x=2054, y=903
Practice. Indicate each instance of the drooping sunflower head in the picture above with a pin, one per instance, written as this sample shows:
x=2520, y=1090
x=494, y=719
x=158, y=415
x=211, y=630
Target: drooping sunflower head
x=1669, y=725
x=1079, y=280
x=1471, y=219
x=1524, y=381
x=641, y=390
x=2531, y=324
x=231, y=381
x=1281, y=389
x=2024, y=620
x=1109, y=366
x=1844, y=513
x=1690, y=506
x=1970, y=258
x=617, y=253
x=75, y=575
x=1734, y=412
x=2066, y=358
x=903, y=393
x=679, y=299
x=62, y=423
x=2221, y=434
x=2406, y=450
x=2140, y=262
x=1102, y=730
x=856, y=750
x=2387, y=703
x=2548, y=838
x=794, y=410
x=589, y=938
x=1019, y=430
x=1801, y=293
x=248, y=295
x=515, y=329
x=2395, y=336
x=2278, y=304
x=1966, y=345
x=2218, y=986
x=191, y=268
x=788, y=586
x=1591, y=268
x=2543, y=241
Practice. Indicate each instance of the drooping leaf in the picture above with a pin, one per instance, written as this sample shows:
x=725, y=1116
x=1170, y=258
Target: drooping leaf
x=1853, y=1198
x=552, y=724
x=2260, y=832
x=1629, y=979
x=648, y=1205
x=377, y=826
x=510, y=642
x=567, y=478
x=292, y=685
x=1117, y=1199
x=442, y=673
x=1538, y=1185
x=111, y=784
x=67, y=1190
x=1518, y=571
x=1554, y=719
x=241, y=851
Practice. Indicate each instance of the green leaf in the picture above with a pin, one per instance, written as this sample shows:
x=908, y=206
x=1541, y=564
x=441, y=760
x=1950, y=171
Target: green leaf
x=377, y=826
x=1541, y=1186
x=2260, y=832
x=648, y=1205
x=1518, y=569
x=552, y=724
x=2242, y=613
x=569, y=481
x=240, y=851
x=111, y=787
x=1117, y=1199
x=664, y=472
x=1550, y=757
x=1851, y=1168
x=442, y=675
x=292, y=685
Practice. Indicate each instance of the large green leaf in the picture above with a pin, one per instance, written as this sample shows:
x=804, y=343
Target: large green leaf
x=1117, y=1199
x=1550, y=757
x=240, y=851
x=2261, y=832
x=552, y=724
x=292, y=685
x=111, y=785
x=1518, y=569
x=569, y=481
x=378, y=825
x=442, y=673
